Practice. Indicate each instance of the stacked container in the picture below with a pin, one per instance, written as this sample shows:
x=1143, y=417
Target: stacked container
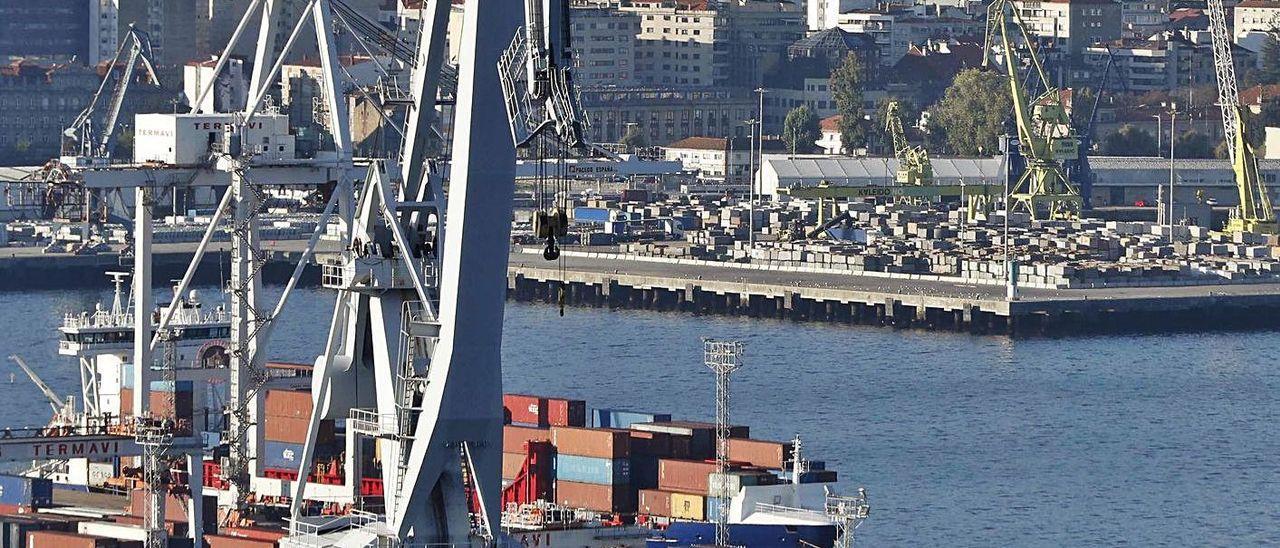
x=159, y=399
x=23, y=494
x=593, y=470
x=286, y=420
x=514, y=451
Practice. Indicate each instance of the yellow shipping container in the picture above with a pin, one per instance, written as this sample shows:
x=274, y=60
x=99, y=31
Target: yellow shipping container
x=687, y=506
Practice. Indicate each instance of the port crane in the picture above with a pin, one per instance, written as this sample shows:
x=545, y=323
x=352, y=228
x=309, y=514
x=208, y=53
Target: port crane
x=914, y=167
x=1045, y=131
x=81, y=141
x=1254, y=213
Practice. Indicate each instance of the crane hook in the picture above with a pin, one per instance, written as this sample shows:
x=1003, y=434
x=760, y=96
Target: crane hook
x=552, y=251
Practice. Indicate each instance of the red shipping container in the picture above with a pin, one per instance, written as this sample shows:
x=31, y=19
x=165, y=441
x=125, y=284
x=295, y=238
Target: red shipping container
x=563, y=412
x=288, y=403
x=654, y=503
x=598, y=498
x=256, y=533
x=525, y=409
x=772, y=455
x=294, y=430
x=56, y=539
x=605, y=443
x=511, y=464
x=514, y=437
x=175, y=509
x=227, y=541
x=688, y=476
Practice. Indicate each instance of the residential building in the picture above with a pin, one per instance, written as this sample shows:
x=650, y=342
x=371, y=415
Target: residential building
x=1167, y=61
x=230, y=92
x=666, y=114
x=1143, y=18
x=38, y=101
x=895, y=29
x=302, y=98
x=1257, y=16
x=805, y=78
x=829, y=141
x=1070, y=26
x=825, y=14
x=104, y=21
x=604, y=46
x=690, y=42
x=718, y=159
x=53, y=29
x=927, y=70
x=171, y=27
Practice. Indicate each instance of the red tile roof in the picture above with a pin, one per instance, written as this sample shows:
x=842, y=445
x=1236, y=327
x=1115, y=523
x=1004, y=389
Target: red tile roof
x=1257, y=94
x=700, y=143
x=830, y=123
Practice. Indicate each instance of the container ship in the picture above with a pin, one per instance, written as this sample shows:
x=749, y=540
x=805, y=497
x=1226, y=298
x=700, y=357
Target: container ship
x=572, y=474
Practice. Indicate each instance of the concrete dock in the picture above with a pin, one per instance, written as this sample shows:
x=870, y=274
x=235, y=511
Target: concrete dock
x=718, y=288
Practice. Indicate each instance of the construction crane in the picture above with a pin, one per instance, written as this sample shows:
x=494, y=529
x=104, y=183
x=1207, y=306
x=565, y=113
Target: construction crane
x=1080, y=172
x=80, y=137
x=1254, y=214
x=1045, y=131
x=914, y=167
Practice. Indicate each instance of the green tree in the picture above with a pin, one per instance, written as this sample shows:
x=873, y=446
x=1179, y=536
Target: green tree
x=800, y=130
x=633, y=139
x=846, y=89
x=972, y=112
x=1256, y=124
x=907, y=111
x=1270, y=54
x=1193, y=144
x=1130, y=140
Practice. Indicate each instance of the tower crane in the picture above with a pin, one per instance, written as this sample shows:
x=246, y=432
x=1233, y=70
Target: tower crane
x=91, y=144
x=1254, y=214
x=914, y=167
x=1044, y=128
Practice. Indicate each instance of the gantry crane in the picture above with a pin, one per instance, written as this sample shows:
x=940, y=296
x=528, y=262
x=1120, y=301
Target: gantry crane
x=1044, y=128
x=1254, y=214
x=914, y=167
x=80, y=137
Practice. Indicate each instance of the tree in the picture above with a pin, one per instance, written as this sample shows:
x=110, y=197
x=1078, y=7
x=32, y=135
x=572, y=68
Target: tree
x=633, y=139
x=1130, y=140
x=1268, y=116
x=800, y=130
x=972, y=112
x=1193, y=144
x=846, y=89
x=1270, y=54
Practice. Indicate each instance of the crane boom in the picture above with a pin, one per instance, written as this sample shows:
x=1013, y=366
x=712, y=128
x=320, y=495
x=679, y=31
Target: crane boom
x=81, y=130
x=914, y=167
x=54, y=400
x=1254, y=214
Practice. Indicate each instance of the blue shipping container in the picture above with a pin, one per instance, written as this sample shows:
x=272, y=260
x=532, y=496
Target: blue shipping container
x=713, y=509
x=590, y=214
x=23, y=491
x=592, y=470
x=279, y=454
x=621, y=418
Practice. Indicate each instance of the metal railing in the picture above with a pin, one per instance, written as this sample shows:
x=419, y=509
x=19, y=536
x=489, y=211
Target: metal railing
x=370, y=422
x=793, y=512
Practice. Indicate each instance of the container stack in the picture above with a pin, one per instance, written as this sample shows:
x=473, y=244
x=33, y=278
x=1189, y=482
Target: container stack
x=286, y=420
x=20, y=494
x=593, y=469
x=183, y=399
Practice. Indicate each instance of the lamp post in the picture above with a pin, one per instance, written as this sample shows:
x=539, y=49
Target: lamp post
x=751, y=185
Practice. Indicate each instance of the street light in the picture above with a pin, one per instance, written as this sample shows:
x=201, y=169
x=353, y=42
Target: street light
x=751, y=124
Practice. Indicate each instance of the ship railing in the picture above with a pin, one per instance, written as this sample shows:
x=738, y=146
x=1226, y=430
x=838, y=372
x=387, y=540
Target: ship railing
x=102, y=318
x=372, y=423
x=792, y=512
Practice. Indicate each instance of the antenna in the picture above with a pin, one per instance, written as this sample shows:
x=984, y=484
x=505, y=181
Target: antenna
x=723, y=358
x=117, y=278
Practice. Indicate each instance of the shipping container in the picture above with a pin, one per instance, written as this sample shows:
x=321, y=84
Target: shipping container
x=689, y=476
x=288, y=403
x=644, y=471
x=59, y=539
x=591, y=214
x=819, y=476
x=622, y=418
x=592, y=469
x=525, y=409
x=228, y=541
x=773, y=455
x=514, y=437
x=159, y=403
x=591, y=442
x=713, y=509
x=598, y=498
x=26, y=492
x=690, y=428
x=294, y=429
x=654, y=503
x=734, y=481
x=112, y=530
x=655, y=444
x=175, y=507
x=279, y=454
x=565, y=412
x=688, y=506
x=511, y=464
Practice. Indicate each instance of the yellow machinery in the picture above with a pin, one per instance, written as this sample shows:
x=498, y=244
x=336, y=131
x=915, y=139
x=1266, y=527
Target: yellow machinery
x=1254, y=214
x=1045, y=131
x=914, y=167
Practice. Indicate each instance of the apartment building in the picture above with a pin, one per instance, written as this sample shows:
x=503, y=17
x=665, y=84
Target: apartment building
x=1070, y=26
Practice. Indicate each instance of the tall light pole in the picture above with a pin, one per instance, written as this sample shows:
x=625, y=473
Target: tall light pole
x=1173, y=120
x=760, y=91
x=751, y=185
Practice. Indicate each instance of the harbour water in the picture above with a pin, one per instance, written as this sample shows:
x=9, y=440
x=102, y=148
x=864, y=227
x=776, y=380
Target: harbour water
x=959, y=439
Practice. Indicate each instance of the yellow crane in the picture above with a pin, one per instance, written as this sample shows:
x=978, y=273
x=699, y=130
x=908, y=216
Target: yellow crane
x=1254, y=214
x=914, y=167
x=1045, y=131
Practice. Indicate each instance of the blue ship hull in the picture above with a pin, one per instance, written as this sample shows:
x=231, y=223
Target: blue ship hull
x=681, y=534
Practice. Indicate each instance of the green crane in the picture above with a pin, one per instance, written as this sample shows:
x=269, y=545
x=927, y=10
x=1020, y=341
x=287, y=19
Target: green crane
x=1044, y=127
x=914, y=167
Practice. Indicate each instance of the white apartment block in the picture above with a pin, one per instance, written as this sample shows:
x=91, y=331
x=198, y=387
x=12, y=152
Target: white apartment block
x=604, y=46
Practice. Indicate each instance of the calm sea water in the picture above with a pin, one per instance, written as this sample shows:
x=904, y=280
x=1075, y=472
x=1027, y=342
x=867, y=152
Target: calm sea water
x=959, y=439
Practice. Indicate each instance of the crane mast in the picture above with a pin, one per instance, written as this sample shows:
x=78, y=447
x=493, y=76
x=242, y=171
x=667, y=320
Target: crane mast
x=1044, y=128
x=1254, y=214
